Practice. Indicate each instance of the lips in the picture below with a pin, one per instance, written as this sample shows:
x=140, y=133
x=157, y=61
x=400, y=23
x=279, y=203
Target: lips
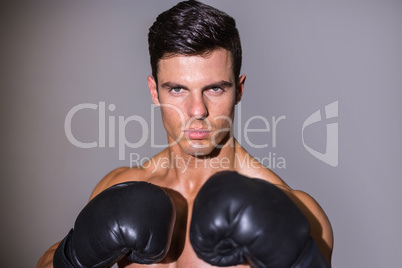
x=197, y=134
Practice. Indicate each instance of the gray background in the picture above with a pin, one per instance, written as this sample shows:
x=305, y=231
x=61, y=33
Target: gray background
x=299, y=56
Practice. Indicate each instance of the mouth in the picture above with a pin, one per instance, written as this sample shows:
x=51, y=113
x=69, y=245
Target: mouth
x=197, y=134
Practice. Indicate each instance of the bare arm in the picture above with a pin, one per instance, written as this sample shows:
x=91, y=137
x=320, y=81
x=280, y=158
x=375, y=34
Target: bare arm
x=114, y=177
x=321, y=229
x=46, y=261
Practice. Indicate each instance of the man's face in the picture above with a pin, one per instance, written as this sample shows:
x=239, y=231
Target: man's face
x=197, y=95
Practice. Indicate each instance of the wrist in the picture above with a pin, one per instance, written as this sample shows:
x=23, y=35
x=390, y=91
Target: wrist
x=62, y=256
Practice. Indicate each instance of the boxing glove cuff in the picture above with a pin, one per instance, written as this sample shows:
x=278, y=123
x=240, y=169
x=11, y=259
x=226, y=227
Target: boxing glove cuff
x=311, y=257
x=61, y=258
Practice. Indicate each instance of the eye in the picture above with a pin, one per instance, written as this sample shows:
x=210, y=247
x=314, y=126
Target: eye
x=215, y=90
x=176, y=90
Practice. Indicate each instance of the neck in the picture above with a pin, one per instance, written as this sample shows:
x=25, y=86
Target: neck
x=191, y=172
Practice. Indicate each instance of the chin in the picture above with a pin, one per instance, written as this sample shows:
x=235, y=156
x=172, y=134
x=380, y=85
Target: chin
x=203, y=148
x=198, y=149
x=198, y=152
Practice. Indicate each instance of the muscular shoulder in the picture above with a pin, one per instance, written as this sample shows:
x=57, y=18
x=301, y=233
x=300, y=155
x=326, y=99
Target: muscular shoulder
x=119, y=175
x=147, y=172
x=321, y=229
x=251, y=167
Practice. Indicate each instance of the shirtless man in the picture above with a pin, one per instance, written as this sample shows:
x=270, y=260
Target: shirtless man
x=196, y=58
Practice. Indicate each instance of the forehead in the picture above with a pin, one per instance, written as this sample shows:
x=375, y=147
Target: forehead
x=217, y=64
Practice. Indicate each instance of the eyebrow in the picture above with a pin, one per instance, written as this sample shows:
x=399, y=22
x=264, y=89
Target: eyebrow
x=221, y=84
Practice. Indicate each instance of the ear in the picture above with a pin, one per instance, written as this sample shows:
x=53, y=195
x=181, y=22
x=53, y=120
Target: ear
x=154, y=90
x=240, y=88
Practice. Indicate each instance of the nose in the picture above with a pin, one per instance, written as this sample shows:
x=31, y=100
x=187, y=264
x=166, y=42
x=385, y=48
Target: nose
x=197, y=107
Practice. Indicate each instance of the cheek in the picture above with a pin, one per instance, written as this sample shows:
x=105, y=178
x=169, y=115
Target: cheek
x=223, y=115
x=223, y=122
x=172, y=117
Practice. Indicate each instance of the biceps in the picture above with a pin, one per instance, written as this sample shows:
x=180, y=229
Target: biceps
x=321, y=229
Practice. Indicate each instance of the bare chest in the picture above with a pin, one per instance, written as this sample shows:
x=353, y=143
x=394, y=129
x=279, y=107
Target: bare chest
x=181, y=253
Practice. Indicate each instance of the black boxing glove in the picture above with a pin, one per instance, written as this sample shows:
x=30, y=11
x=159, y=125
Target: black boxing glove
x=236, y=218
x=133, y=219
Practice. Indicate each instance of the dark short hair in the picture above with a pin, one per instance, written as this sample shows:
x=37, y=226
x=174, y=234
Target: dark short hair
x=193, y=28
